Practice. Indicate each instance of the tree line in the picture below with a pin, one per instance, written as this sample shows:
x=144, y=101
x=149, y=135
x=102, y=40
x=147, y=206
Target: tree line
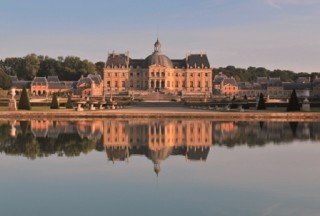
x=66, y=68
x=251, y=74
x=73, y=67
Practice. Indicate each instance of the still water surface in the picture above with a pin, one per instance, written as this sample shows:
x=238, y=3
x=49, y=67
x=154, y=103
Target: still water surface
x=159, y=167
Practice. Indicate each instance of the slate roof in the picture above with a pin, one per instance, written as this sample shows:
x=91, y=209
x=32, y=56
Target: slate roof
x=296, y=86
x=117, y=60
x=21, y=84
x=303, y=80
x=230, y=81
x=53, y=79
x=198, y=60
x=262, y=80
x=275, y=82
x=96, y=78
x=39, y=80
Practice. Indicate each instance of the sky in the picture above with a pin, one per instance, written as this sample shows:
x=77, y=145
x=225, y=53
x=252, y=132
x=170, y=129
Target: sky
x=276, y=34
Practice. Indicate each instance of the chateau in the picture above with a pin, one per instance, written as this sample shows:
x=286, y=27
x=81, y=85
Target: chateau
x=158, y=73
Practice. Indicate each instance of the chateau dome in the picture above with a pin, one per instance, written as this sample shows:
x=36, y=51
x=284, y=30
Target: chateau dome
x=158, y=58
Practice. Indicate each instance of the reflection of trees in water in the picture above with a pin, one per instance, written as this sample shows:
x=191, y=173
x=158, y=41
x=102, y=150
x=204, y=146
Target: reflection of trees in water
x=263, y=133
x=26, y=144
x=71, y=142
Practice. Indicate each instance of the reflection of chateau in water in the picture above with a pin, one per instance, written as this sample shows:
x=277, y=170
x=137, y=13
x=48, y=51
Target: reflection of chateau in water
x=156, y=139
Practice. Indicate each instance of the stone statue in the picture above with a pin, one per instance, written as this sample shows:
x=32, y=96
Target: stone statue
x=12, y=101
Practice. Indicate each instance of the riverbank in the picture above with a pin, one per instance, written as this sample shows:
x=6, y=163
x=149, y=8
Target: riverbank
x=163, y=112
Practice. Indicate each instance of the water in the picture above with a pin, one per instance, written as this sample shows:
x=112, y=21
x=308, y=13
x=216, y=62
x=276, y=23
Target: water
x=159, y=167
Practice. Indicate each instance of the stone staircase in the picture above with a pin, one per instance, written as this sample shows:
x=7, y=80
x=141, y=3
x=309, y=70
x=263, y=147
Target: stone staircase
x=157, y=97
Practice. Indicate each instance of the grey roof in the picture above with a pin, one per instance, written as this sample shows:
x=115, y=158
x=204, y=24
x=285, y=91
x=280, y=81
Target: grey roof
x=117, y=60
x=230, y=81
x=39, y=80
x=296, y=86
x=96, y=78
x=21, y=84
x=198, y=60
x=303, y=80
x=84, y=82
x=262, y=79
x=275, y=82
x=179, y=63
x=53, y=79
x=219, y=77
x=157, y=58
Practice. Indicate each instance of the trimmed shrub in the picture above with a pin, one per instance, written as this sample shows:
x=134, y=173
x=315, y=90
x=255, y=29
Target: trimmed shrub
x=24, y=102
x=54, y=102
x=69, y=104
x=261, y=103
x=293, y=105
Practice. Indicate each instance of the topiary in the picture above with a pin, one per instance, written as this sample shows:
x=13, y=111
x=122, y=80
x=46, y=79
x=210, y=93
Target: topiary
x=261, y=103
x=69, y=104
x=54, y=102
x=24, y=102
x=293, y=105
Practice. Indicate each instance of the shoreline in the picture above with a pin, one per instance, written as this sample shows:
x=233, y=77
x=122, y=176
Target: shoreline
x=162, y=112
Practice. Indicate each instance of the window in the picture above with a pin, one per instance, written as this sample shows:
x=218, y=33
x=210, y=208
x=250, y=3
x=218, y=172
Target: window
x=123, y=83
x=131, y=74
x=163, y=74
x=116, y=84
x=206, y=74
x=199, y=74
x=177, y=84
x=158, y=74
x=191, y=84
x=108, y=83
x=168, y=83
x=199, y=84
x=152, y=74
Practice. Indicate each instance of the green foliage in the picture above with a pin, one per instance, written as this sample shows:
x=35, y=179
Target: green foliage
x=261, y=103
x=293, y=105
x=54, y=102
x=69, y=68
x=250, y=74
x=69, y=104
x=5, y=81
x=100, y=67
x=31, y=67
x=24, y=102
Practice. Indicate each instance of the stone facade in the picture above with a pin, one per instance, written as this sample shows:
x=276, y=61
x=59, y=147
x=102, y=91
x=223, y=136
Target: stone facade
x=189, y=76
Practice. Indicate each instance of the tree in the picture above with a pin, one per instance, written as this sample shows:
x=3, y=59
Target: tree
x=54, y=102
x=100, y=67
x=246, y=103
x=69, y=104
x=293, y=104
x=32, y=65
x=24, y=102
x=5, y=81
x=261, y=103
